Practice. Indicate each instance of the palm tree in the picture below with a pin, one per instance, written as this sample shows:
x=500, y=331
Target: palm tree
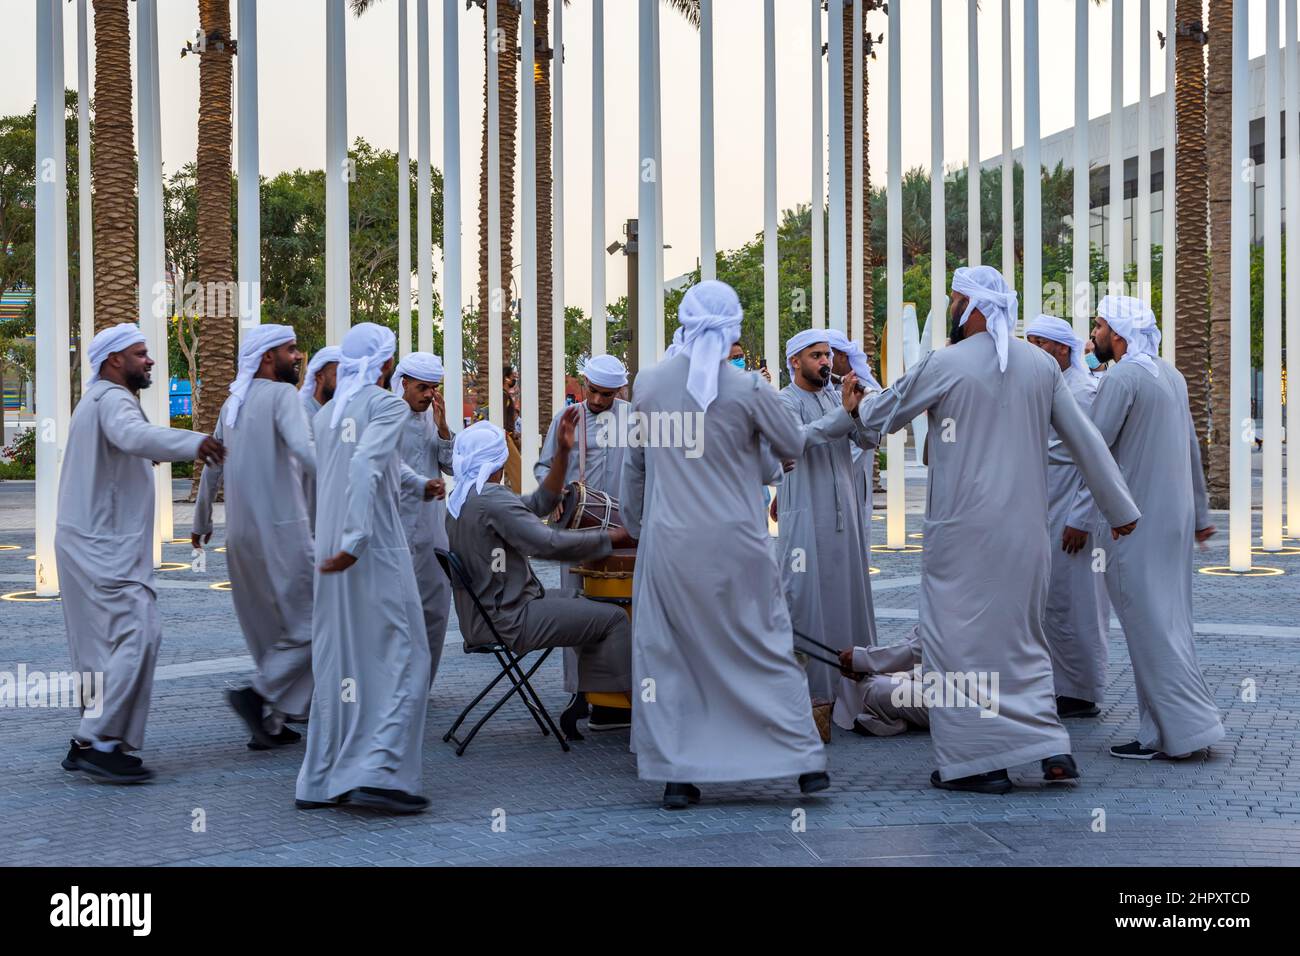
x=868, y=41
x=1197, y=333
x=113, y=167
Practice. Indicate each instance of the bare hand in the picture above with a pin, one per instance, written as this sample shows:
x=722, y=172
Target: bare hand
x=1117, y=533
x=1073, y=540
x=340, y=562
x=435, y=488
x=440, y=413
x=1205, y=534
x=767, y=376
x=197, y=541
x=772, y=510
x=846, y=665
x=787, y=465
x=211, y=451
x=565, y=434
x=850, y=395
x=619, y=538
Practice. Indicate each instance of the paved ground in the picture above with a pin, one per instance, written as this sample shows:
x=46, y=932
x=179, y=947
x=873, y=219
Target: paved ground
x=1238, y=805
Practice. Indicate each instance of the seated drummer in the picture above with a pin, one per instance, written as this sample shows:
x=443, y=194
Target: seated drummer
x=495, y=531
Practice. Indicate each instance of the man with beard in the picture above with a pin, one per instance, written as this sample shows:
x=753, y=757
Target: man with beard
x=426, y=455
x=268, y=540
x=317, y=388
x=370, y=652
x=991, y=400
x=1142, y=413
x=824, y=526
x=103, y=548
x=848, y=357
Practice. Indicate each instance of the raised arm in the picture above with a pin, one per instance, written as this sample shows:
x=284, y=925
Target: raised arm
x=919, y=389
x=775, y=421
x=523, y=530
x=123, y=423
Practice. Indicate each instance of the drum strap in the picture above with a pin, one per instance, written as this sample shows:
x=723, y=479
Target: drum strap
x=582, y=445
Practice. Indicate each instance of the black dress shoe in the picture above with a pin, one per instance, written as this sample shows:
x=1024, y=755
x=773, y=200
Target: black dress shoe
x=322, y=804
x=111, y=767
x=995, y=781
x=677, y=796
x=285, y=736
x=392, y=801
x=609, y=718
x=1060, y=769
x=1135, y=751
x=1067, y=707
x=576, y=710
x=814, y=782
x=75, y=747
x=248, y=703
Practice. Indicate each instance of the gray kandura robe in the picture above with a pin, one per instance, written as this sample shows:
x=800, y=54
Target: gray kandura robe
x=370, y=654
x=717, y=693
x=426, y=456
x=987, y=556
x=891, y=697
x=269, y=457
x=311, y=407
x=103, y=548
x=1146, y=422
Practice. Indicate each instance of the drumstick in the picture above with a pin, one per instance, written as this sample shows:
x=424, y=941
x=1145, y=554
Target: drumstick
x=825, y=647
x=824, y=660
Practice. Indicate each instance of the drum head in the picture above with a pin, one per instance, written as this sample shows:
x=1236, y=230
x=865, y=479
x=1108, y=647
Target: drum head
x=570, y=505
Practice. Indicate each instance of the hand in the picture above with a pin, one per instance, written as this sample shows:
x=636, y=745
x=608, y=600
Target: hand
x=619, y=538
x=772, y=510
x=787, y=465
x=211, y=451
x=340, y=562
x=846, y=665
x=565, y=434
x=435, y=488
x=440, y=413
x=197, y=541
x=767, y=376
x=850, y=395
x=1205, y=534
x=1117, y=533
x=1073, y=540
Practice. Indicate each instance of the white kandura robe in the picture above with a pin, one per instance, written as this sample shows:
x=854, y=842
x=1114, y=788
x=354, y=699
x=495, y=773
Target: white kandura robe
x=1077, y=617
x=825, y=546
x=311, y=407
x=425, y=456
x=987, y=557
x=103, y=548
x=597, y=460
x=269, y=456
x=1146, y=422
x=710, y=627
x=370, y=654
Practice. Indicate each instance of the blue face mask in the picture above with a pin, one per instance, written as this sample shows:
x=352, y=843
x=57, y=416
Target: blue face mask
x=739, y=363
x=1091, y=361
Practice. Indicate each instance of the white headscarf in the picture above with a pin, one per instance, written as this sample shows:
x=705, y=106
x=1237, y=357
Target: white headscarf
x=421, y=366
x=605, y=371
x=479, y=451
x=710, y=314
x=112, y=339
x=1134, y=322
x=1059, y=330
x=363, y=352
x=676, y=345
x=325, y=356
x=996, y=300
x=258, y=340
x=857, y=358
x=801, y=340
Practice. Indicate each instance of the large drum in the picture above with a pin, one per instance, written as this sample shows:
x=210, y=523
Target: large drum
x=585, y=507
x=609, y=580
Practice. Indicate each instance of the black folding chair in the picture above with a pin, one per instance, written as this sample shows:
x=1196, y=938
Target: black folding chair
x=511, y=666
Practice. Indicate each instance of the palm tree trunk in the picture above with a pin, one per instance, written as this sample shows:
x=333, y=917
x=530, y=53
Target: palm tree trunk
x=113, y=168
x=868, y=329
x=216, y=275
x=1206, y=337
x=545, y=288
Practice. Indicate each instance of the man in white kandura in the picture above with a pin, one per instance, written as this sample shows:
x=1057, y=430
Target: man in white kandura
x=718, y=694
x=317, y=388
x=824, y=528
x=1142, y=413
x=849, y=357
x=1076, y=619
x=426, y=450
x=599, y=465
x=992, y=400
x=103, y=548
x=370, y=650
x=270, y=456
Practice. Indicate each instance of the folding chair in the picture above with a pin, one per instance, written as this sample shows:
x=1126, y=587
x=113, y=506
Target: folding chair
x=511, y=666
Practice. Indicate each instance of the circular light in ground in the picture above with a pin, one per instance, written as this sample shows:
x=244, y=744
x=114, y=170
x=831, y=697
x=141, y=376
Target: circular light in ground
x=917, y=534
x=10, y=547
x=177, y=541
x=173, y=566
x=220, y=550
x=1255, y=572
x=1286, y=550
x=905, y=549
x=26, y=597
x=873, y=570
x=220, y=586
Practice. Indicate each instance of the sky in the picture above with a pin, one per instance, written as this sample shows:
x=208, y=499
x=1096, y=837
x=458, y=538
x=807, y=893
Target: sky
x=292, y=100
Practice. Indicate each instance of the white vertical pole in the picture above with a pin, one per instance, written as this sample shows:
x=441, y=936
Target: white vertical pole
x=85, y=224
x=1142, y=210
x=1115, y=255
x=597, y=314
x=1169, y=257
x=528, y=371
x=250, y=204
x=1008, y=161
x=708, y=237
x=338, y=304
x=161, y=370
x=659, y=188
x=895, y=499
x=496, y=294
x=838, y=261
x=423, y=195
x=974, y=236
x=1033, y=193
x=1271, y=523
x=1293, y=268
x=938, y=221
x=51, y=277
x=557, y=208
x=817, y=214
x=856, y=292
x=453, y=383
x=1081, y=307
x=403, y=185
x=1239, y=409
x=771, y=280
x=647, y=261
